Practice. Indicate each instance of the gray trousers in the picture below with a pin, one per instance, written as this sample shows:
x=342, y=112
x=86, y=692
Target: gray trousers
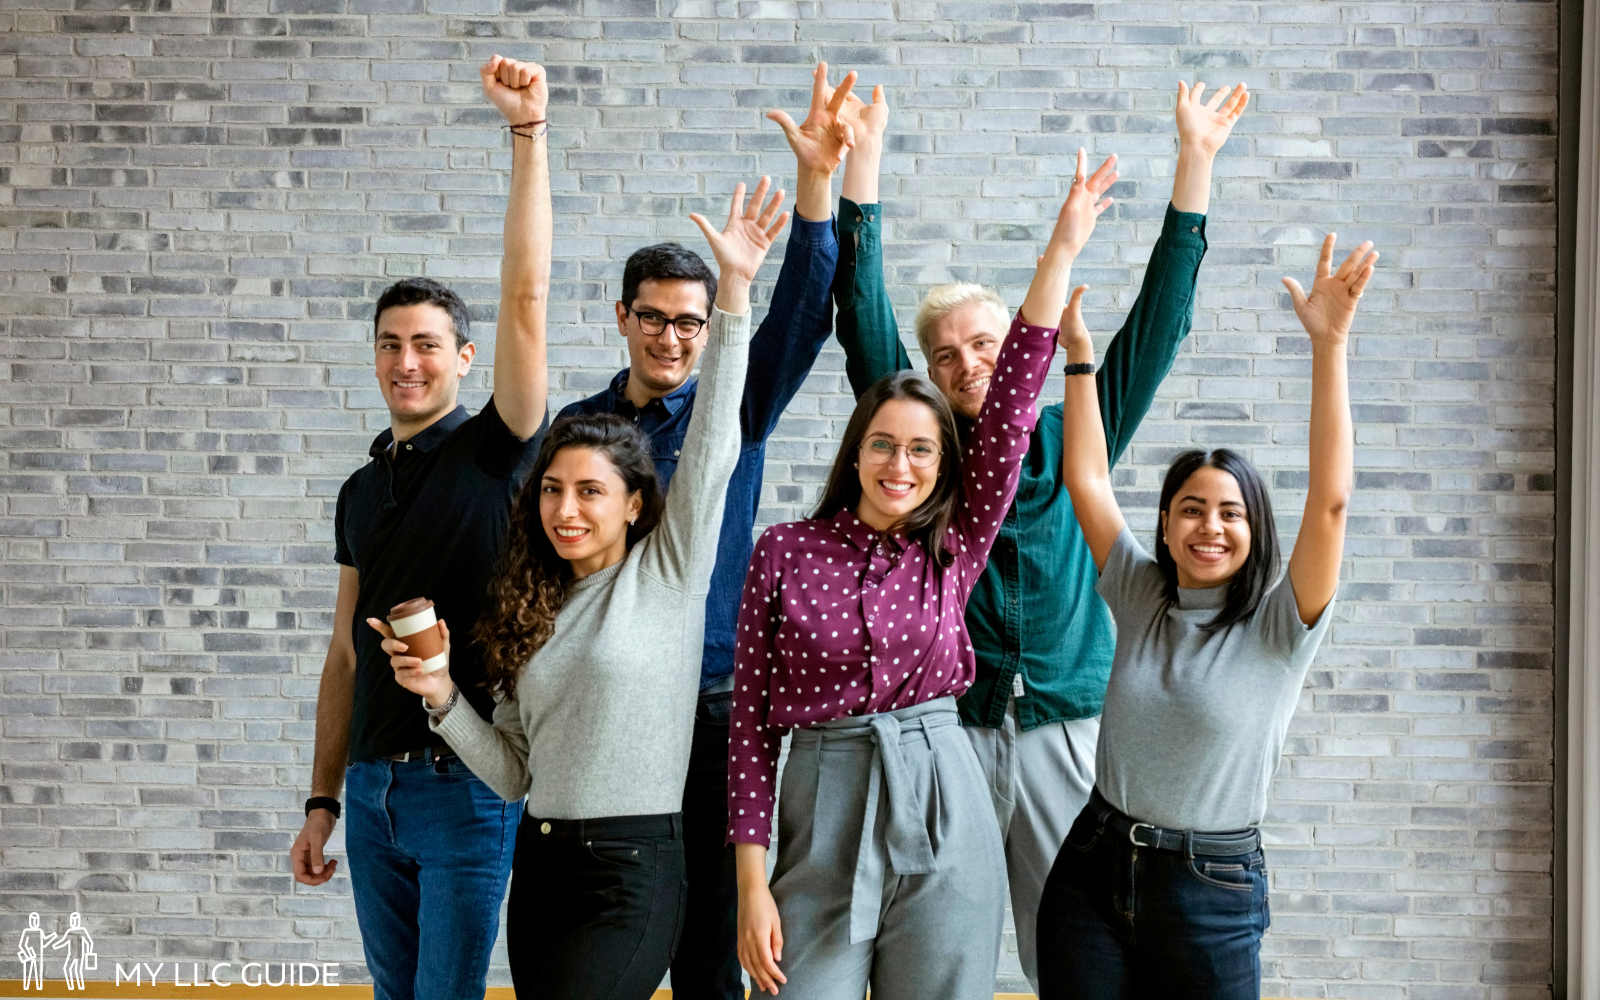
x=1040, y=780
x=889, y=867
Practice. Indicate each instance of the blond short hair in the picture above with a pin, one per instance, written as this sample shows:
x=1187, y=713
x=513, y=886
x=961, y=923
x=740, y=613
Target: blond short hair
x=946, y=299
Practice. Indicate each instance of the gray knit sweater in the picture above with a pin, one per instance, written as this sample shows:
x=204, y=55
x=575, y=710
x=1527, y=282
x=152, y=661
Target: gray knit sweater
x=602, y=718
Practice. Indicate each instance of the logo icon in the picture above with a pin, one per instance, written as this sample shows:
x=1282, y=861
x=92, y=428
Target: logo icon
x=75, y=940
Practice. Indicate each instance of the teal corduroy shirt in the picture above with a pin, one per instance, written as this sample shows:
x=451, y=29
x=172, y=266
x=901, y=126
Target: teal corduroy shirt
x=1034, y=614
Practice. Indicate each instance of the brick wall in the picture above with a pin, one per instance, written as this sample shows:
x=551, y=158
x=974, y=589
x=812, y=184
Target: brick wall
x=202, y=197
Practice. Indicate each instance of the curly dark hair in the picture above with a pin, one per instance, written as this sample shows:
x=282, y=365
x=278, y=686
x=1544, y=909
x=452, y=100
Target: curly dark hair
x=530, y=586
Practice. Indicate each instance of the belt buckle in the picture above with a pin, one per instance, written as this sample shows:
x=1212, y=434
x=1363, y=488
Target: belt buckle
x=1133, y=832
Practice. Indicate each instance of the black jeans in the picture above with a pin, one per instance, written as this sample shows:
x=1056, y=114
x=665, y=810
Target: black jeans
x=595, y=906
x=1121, y=922
x=707, y=964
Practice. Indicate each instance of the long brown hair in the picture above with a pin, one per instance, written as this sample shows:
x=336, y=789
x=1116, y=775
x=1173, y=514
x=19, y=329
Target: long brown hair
x=928, y=523
x=531, y=585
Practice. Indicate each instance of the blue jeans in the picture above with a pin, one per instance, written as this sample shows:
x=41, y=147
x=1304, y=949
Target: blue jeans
x=1120, y=922
x=430, y=848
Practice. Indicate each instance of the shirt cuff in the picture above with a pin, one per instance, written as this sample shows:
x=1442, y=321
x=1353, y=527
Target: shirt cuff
x=1184, y=227
x=731, y=329
x=807, y=231
x=854, y=218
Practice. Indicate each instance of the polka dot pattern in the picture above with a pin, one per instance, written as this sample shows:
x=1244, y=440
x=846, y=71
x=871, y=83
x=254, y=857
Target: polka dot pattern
x=838, y=619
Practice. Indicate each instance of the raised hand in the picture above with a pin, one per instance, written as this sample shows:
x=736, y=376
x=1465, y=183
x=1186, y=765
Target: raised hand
x=743, y=243
x=1206, y=126
x=1073, y=334
x=1327, y=312
x=866, y=122
x=408, y=672
x=819, y=142
x=1083, y=206
x=519, y=89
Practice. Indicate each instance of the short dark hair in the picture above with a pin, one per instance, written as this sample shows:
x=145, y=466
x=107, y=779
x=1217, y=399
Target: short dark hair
x=530, y=585
x=1249, y=585
x=415, y=291
x=929, y=522
x=669, y=262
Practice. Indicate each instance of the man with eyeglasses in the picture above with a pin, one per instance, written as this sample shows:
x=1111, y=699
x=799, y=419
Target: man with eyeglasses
x=667, y=293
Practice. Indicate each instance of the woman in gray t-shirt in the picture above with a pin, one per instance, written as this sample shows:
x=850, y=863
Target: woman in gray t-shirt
x=1160, y=888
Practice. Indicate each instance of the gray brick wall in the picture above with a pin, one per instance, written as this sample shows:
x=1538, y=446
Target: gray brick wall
x=201, y=198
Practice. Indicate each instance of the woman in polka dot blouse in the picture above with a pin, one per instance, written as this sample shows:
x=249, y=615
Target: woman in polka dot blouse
x=852, y=634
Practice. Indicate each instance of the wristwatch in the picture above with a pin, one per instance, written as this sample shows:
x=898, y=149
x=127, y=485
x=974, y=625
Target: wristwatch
x=327, y=802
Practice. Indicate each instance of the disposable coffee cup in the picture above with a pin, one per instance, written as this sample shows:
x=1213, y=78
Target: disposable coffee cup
x=416, y=625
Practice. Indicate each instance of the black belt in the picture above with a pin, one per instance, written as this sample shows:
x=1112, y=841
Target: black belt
x=608, y=827
x=1221, y=844
x=430, y=755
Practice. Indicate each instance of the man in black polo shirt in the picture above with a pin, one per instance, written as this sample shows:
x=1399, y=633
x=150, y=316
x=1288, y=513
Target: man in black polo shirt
x=430, y=845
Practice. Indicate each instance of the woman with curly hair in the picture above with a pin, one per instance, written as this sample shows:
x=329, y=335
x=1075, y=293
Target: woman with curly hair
x=593, y=647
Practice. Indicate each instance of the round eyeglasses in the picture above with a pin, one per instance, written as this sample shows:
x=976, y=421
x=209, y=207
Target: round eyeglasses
x=880, y=451
x=652, y=323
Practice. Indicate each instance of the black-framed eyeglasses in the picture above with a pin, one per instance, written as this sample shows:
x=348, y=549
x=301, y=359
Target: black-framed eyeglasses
x=652, y=323
x=880, y=451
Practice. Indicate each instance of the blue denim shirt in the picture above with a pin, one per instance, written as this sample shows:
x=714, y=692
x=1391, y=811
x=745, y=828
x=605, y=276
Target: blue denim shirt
x=797, y=324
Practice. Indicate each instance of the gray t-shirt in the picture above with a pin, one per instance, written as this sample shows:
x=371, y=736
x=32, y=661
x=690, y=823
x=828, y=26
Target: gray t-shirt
x=604, y=711
x=1194, y=722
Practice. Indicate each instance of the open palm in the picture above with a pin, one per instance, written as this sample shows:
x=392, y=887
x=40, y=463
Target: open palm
x=1207, y=124
x=1328, y=311
x=743, y=243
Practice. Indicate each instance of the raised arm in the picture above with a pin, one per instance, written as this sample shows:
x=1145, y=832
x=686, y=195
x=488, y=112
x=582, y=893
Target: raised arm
x=867, y=330
x=797, y=320
x=1202, y=129
x=521, y=380
x=1326, y=315
x=992, y=465
x=1085, y=465
x=1141, y=354
x=683, y=548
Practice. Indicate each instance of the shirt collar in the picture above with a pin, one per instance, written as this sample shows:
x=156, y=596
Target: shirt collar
x=859, y=534
x=672, y=402
x=1202, y=598
x=424, y=440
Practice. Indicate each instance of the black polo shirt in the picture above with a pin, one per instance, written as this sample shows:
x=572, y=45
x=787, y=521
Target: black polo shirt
x=428, y=520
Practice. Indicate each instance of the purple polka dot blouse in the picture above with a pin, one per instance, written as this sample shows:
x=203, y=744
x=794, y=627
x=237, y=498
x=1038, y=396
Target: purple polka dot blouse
x=838, y=619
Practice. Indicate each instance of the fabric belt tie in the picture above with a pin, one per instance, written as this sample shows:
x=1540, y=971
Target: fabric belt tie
x=905, y=832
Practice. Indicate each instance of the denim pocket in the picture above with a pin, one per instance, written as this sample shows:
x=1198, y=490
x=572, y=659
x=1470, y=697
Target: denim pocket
x=1240, y=873
x=1085, y=833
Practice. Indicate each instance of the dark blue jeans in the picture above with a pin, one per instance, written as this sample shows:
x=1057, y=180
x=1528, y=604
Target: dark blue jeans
x=430, y=848
x=1120, y=922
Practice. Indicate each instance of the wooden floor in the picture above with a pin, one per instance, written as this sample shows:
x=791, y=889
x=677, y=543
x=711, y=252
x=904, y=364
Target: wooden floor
x=55, y=989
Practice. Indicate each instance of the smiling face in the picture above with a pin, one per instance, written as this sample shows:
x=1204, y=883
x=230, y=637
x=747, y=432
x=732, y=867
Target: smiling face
x=961, y=350
x=1206, y=529
x=585, y=508
x=661, y=363
x=891, y=489
x=419, y=366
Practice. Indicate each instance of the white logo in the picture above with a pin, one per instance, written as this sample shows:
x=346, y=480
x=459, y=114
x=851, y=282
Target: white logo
x=36, y=943
x=75, y=940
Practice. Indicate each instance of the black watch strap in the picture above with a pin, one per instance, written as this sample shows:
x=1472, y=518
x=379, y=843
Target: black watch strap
x=327, y=802
x=1078, y=368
